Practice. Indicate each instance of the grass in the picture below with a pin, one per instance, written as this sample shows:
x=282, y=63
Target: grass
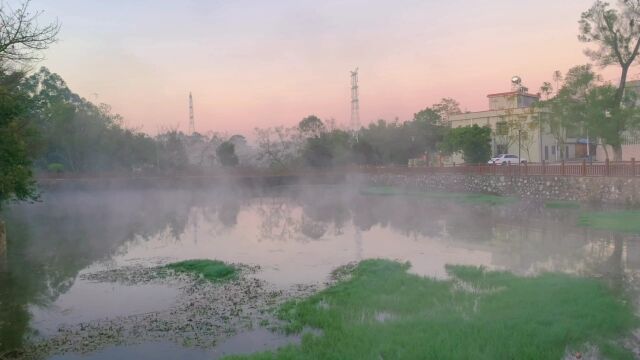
x=561, y=204
x=382, y=312
x=473, y=198
x=212, y=270
x=627, y=221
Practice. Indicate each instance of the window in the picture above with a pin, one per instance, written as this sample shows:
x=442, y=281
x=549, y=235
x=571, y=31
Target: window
x=502, y=128
x=553, y=149
x=501, y=148
x=566, y=152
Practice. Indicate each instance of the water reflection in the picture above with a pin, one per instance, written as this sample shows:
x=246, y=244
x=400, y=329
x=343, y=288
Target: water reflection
x=297, y=237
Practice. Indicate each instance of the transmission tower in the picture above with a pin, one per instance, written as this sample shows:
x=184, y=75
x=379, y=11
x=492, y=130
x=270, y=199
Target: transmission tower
x=192, y=123
x=355, y=103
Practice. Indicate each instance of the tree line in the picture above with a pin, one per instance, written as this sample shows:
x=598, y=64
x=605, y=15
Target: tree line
x=46, y=127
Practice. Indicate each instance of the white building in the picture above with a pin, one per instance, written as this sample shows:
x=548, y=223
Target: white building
x=515, y=125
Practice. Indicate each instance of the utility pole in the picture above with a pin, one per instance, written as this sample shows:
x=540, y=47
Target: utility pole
x=355, y=104
x=192, y=124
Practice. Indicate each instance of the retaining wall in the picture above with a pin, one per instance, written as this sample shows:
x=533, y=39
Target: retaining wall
x=607, y=190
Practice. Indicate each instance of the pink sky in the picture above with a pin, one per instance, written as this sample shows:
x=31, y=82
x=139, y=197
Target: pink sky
x=253, y=63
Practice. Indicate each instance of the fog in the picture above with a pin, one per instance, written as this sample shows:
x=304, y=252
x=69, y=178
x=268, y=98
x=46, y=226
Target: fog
x=297, y=234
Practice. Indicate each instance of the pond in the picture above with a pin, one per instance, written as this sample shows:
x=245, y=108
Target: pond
x=292, y=238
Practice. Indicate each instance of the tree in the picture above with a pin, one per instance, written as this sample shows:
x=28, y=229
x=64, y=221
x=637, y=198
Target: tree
x=171, y=151
x=80, y=135
x=474, y=142
x=22, y=38
x=317, y=152
x=427, y=124
x=226, y=153
x=546, y=89
x=311, y=126
x=446, y=107
x=279, y=147
x=616, y=32
x=583, y=104
x=17, y=141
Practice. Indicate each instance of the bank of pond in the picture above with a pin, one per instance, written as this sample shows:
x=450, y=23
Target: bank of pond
x=377, y=309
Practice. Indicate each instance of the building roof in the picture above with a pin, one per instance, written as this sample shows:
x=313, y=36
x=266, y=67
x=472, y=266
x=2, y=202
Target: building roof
x=514, y=93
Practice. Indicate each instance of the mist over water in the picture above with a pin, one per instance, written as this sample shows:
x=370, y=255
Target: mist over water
x=296, y=234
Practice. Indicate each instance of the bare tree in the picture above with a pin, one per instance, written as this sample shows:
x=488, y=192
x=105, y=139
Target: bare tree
x=22, y=38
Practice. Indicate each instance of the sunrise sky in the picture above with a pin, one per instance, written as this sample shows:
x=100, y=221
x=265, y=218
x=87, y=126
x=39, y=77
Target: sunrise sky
x=263, y=63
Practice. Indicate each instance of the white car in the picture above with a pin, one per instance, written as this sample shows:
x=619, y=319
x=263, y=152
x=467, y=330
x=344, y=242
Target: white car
x=506, y=159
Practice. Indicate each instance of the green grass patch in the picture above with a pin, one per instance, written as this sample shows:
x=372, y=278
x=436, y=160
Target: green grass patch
x=561, y=204
x=473, y=198
x=212, y=270
x=627, y=221
x=383, y=312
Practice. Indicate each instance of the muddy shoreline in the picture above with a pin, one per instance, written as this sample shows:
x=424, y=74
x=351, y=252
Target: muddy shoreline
x=204, y=315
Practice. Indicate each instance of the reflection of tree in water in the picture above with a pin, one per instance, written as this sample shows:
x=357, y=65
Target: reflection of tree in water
x=302, y=218
x=313, y=229
x=49, y=243
x=615, y=257
x=278, y=221
x=228, y=212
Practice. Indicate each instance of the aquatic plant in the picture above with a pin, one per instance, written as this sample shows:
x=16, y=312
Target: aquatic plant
x=212, y=270
x=627, y=221
x=473, y=198
x=383, y=312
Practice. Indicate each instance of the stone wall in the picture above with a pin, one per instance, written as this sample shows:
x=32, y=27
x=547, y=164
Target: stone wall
x=606, y=190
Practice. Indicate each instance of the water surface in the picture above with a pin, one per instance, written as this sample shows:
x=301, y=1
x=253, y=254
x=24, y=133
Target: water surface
x=296, y=235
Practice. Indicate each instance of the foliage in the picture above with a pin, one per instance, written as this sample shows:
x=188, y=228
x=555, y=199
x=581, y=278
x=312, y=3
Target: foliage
x=278, y=147
x=171, y=152
x=317, y=153
x=616, y=33
x=212, y=270
x=17, y=141
x=584, y=104
x=311, y=126
x=381, y=311
x=82, y=136
x=22, y=38
x=473, y=141
x=396, y=142
x=226, y=153
x=55, y=167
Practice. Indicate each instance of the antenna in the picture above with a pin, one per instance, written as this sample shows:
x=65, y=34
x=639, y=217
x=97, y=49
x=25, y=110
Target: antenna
x=355, y=104
x=192, y=124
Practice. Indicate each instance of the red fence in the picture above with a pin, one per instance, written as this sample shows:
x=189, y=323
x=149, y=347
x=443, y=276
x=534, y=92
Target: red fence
x=620, y=169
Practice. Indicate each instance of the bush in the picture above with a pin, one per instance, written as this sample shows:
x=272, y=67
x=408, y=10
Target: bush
x=55, y=168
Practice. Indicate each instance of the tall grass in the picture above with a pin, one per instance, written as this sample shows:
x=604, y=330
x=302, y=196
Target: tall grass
x=212, y=270
x=382, y=312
